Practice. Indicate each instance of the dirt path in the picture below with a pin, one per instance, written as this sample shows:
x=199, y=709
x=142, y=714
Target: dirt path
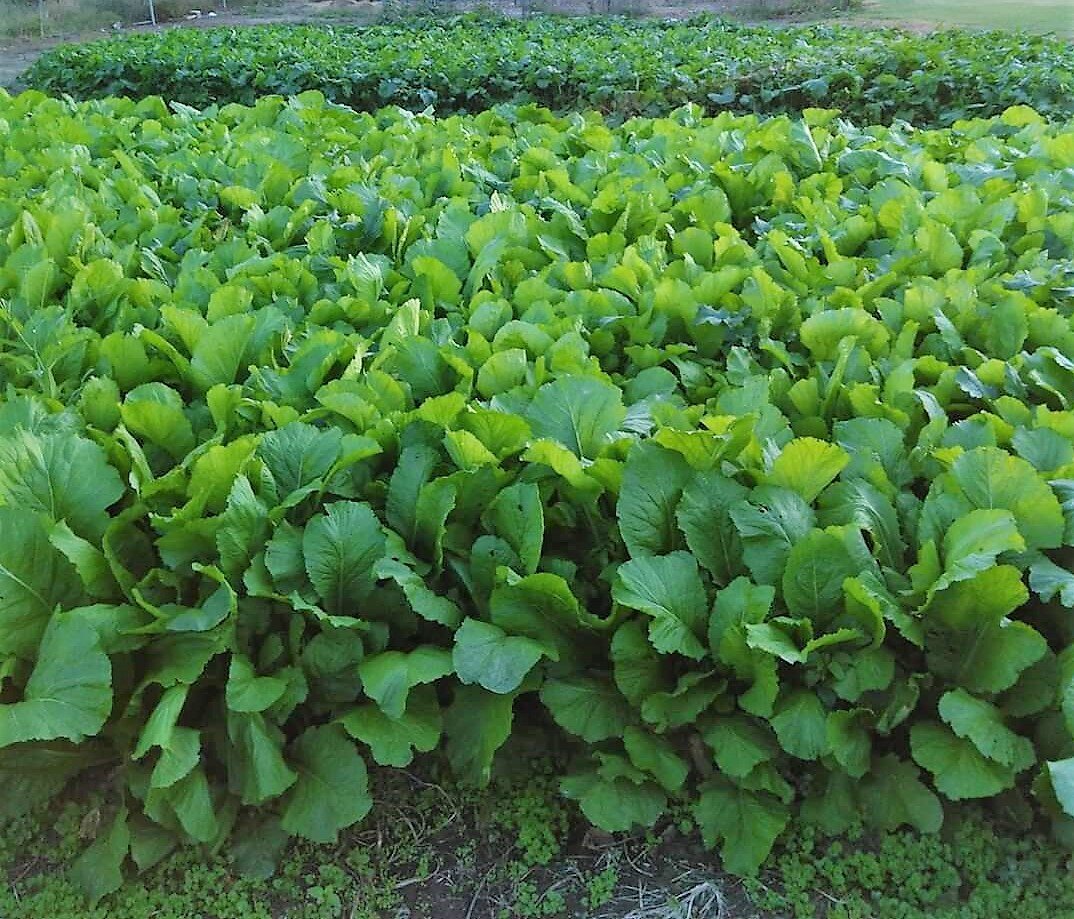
x=14, y=61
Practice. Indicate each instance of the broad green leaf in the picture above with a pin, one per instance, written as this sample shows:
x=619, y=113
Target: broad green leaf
x=331, y=792
x=638, y=670
x=849, y=741
x=704, y=516
x=244, y=529
x=190, y=799
x=31, y=775
x=831, y=643
x=419, y=363
x=752, y=666
x=256, y=767
x=745, y=825
x=982, y=723
x=893, y=795
x=1061, y=774
x=220, y=351
x=856, y=502
x=817, y=565
x=98, y=871
x=615, y=805
x=248, y=692
x=1049, y=582
x=589, y=707
x=800, y=723
x=653, y=480
x=693, y=694
x=435, y=503
x=477, y=724
x=426, y=603
x=259, y=847
x=998, y=656
x=35, y=579
x=340, y=549
x=833, y=805
x=770, y=523
x=151, y=843
x=467, y=452
x=69, y=693
x=738, y=744
x=983, y=600
x=668, y=588
x=517, y=516
x=155, y=411
x=394, y=741
x=871, y=605
x=89, y=561
x=388, y=677
x=161, y=723
x=973, y=542
x=563, y=462
x=501, y=433
x=413, y=470
x=871, y=442
x=541, y=607
x=485, y=654
x=991, y=478
x=284, y=562
x=298, y=454
x=63, y=476
x=582, y=413
x=740, y=603
x=959, y=769
x=822, y=332
x=331, y=659
x=1037, y=688
x=862, y=671
x=971, y=642
x=179, y=756
x=503, y=371
x=941, y=246
x=655, y=755
x=1046, y=449
x=182, y=658
x=212, y=611
x=778, y=637
x=215, y=472
x=807, y=466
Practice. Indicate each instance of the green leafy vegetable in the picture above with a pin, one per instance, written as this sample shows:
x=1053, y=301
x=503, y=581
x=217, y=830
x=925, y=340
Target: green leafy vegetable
x=730, y=456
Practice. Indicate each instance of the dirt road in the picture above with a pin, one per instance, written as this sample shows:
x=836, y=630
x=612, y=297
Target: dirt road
x=14, y=61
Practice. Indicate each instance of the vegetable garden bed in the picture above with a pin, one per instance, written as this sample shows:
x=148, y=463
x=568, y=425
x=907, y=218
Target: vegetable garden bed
x=736, y=454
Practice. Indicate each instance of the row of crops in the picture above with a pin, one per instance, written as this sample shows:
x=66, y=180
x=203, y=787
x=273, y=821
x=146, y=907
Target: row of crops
x=732, y=455
x=616, y=65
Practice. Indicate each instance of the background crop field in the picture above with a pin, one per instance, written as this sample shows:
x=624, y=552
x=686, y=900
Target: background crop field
x=21, y=27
